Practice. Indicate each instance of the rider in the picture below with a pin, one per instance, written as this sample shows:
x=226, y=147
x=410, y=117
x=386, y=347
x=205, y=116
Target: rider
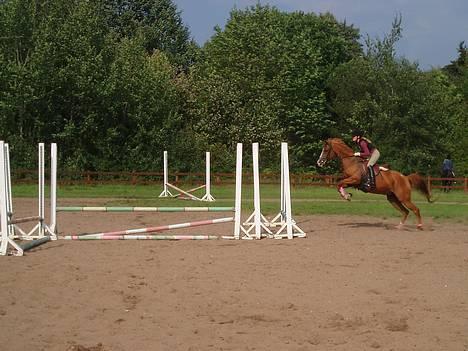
x=447, y=167
x=367, y=151
x=447, y=172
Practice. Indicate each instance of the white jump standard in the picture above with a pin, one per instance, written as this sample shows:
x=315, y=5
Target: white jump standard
x=10, y=230
x=256, y=220
x=284, y=218
x=187, y=194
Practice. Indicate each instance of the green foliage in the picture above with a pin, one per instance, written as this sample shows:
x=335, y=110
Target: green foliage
x=406, y=113
x=457, y=72
x=108, y=97
x=116, y=82
x=157, y=23
x=262, y=80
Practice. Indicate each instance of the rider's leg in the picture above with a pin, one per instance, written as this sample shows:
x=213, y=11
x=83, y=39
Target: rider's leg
x=371, y=177
x=370, y=165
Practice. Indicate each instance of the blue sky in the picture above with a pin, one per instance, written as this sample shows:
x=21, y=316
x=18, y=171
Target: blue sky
x=432, y=29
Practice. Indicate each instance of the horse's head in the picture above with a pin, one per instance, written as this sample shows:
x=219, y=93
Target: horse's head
x=332, y=148
x=327, y=153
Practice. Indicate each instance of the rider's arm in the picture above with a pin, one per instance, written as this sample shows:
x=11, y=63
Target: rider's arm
x=365, y=152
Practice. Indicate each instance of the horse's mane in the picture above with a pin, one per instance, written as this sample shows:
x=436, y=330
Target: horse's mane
x=340, y=147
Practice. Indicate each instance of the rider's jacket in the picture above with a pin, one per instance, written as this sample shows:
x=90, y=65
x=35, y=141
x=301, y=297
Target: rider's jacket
x=365, y=146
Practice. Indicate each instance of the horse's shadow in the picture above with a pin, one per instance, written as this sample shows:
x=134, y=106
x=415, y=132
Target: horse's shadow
x=385, y=226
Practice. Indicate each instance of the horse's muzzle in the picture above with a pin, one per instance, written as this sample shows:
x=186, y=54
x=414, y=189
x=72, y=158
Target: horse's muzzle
x=321, y=162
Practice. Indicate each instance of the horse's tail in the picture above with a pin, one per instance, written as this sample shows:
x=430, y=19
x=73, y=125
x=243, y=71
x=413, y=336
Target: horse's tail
x=420, y=184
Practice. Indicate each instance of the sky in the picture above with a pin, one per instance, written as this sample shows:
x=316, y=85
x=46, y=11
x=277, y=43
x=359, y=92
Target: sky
x=432, y=29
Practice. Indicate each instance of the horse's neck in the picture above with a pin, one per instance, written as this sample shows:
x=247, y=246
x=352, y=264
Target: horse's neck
x=352, y=165
x=342, y=150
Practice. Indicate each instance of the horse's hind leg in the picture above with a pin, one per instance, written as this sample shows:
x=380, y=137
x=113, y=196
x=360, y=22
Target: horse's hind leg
x=415, y=210
x=399, y=206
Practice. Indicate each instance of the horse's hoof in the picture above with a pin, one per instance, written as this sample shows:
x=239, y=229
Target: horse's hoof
x=419, y=227
x=399, y=226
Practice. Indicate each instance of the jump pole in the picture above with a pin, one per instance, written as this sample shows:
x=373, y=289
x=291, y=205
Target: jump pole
x=32, y=244
x=159, y=228
x=184, y=192
x=143, y=209
x=144, y=237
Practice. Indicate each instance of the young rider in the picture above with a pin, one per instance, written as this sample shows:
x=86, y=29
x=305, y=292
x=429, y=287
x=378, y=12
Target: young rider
x=367, y=151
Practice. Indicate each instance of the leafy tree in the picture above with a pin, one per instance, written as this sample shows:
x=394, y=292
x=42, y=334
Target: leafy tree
x=107, y=101
x=457, y=72
x=263, y=78
x=157, y=23
x=405, y=111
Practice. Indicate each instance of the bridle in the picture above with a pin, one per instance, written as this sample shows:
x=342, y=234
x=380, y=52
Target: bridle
x=326, y=155
x=329, y=154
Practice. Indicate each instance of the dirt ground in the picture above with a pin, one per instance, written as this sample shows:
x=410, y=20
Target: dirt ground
x=355, y=283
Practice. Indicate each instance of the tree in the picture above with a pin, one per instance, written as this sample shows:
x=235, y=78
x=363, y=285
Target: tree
x=158, y=23
x=405, y=111
x=107, y=101
x=457, y=72
x=263, y=77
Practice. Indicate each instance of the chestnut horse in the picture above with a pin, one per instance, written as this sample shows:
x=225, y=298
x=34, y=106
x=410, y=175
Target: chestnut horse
x=393, y=184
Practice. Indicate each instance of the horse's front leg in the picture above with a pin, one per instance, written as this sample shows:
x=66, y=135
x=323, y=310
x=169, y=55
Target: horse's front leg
x=350, y=181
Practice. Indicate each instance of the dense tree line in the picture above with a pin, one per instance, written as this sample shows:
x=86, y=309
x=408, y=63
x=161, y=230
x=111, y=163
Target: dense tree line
x=116, y=82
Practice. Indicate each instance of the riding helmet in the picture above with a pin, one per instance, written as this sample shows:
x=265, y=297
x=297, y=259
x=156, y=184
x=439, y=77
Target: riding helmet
x=357, y=132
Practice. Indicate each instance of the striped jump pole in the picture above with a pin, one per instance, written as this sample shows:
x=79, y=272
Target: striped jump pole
x=186, y=193
x=157, y=229
x=32, y=244
x=142, y=209
x=143, y=237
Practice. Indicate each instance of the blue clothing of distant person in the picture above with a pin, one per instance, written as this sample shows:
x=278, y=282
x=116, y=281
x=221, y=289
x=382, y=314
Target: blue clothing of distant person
x=447, y=167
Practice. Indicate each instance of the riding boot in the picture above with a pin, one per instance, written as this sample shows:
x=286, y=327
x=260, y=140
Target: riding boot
x=371, y=178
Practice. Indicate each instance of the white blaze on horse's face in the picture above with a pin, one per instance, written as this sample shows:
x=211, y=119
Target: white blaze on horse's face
x=323, y=156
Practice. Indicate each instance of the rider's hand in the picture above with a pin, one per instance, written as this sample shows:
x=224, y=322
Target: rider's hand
x=357, y=154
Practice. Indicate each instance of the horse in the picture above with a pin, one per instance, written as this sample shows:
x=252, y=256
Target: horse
x=396, y=186
x=448, y=180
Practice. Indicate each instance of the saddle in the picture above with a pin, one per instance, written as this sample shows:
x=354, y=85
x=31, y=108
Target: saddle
x=367, y=184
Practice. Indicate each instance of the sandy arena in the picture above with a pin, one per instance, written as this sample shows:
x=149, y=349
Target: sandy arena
x=355, y=283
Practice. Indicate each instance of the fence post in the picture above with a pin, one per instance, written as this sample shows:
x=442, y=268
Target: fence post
x=466, y=184
x=429, y=184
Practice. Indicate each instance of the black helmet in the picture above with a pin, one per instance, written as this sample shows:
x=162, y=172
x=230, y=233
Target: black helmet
x=357, y=132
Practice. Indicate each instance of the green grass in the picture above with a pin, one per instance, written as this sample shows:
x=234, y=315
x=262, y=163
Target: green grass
x=306, y=200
